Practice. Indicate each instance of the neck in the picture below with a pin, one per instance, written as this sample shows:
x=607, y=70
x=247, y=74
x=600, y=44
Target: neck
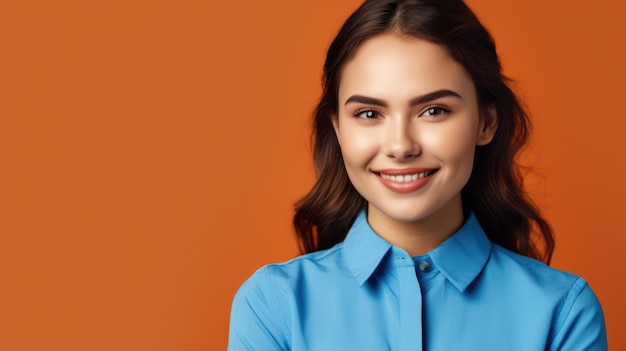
x=420, y=236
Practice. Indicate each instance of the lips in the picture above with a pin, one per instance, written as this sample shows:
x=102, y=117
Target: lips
x=405, y=180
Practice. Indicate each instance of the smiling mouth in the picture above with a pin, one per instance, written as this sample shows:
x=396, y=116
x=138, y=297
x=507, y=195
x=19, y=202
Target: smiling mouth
x=405, y=178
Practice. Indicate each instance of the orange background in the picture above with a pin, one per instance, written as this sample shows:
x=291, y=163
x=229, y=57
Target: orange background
x=151, y=151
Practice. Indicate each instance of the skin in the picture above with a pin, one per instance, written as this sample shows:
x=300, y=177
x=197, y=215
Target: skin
x=396, y=132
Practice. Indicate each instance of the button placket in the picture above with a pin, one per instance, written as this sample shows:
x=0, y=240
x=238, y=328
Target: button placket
x=411, y=328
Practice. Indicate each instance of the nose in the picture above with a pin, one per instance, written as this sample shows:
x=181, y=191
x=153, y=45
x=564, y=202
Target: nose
x=401, y=140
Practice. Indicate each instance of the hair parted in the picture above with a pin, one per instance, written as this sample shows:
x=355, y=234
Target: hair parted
x=495, y=189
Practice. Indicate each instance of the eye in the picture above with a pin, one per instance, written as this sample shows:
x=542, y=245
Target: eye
x=367, y=114
x=435, y=111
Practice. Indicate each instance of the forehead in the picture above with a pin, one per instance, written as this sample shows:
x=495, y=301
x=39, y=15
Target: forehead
x=395, y=67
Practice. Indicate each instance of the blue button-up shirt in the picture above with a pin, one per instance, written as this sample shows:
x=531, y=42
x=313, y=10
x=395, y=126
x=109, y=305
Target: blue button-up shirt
x=366, y=294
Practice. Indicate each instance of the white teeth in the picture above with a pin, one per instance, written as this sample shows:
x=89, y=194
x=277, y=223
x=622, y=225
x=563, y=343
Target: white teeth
x=406, y=178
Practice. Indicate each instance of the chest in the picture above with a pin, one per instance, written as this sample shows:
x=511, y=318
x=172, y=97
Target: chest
x=405, y=312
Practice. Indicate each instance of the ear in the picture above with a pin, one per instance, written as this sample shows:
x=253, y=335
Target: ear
x=335, y=120
x=488, y=125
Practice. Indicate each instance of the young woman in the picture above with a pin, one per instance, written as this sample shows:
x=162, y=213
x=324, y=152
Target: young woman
x=418, y=233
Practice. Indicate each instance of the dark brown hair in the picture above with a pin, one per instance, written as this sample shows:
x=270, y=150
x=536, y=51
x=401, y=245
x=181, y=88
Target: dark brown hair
x=495, y=189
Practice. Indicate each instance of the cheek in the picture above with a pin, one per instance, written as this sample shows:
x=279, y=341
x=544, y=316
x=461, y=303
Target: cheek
x=357, y=147
x=452, y=143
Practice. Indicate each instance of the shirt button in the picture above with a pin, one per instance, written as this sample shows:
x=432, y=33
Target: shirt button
x=424, y=266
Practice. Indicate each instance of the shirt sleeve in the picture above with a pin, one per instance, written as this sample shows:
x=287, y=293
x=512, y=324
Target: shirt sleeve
x=580, y=325
x=256, y=320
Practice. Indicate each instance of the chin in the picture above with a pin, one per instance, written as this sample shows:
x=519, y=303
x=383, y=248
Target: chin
x=406, y=215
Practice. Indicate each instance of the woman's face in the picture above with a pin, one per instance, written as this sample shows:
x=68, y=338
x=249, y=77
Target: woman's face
x=408, y=123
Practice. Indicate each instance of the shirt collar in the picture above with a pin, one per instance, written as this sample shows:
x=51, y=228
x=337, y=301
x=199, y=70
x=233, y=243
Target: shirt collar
x=364, y=249
x=460, y=258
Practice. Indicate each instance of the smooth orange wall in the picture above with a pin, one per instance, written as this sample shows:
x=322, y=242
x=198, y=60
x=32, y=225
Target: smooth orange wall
x=150, y=153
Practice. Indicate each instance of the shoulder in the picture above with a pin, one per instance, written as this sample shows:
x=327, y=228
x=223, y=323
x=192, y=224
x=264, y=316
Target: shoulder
x=535, y=282
x=263, y=307
x=576, y=313
x=531, y=272
x=308, y=266
x=274, y=284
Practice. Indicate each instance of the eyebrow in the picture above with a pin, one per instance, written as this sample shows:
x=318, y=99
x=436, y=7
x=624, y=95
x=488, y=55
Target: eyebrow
x=422, y=99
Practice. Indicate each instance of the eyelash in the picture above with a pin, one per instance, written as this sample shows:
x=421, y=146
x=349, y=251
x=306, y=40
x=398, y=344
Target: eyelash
x=440, y=108
x=361, y=111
